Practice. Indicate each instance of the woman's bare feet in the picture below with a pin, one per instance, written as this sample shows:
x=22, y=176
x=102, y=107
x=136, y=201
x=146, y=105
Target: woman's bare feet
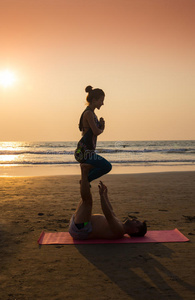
x=85, y=168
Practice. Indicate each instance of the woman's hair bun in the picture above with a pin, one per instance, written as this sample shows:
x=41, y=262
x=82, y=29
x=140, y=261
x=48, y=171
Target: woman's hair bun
x=88, y=89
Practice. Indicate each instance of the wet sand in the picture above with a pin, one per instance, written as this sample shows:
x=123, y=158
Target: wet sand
x=132, y=271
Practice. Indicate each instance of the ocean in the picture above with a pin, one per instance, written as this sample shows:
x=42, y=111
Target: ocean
x=125, y=154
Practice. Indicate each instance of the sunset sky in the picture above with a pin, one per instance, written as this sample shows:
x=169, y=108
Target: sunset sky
x=140, y=52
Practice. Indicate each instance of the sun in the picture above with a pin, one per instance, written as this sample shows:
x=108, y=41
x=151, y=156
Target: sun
x=7, y=78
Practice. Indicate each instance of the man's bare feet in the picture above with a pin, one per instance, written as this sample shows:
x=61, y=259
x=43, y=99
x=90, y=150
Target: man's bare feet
x=80, y=183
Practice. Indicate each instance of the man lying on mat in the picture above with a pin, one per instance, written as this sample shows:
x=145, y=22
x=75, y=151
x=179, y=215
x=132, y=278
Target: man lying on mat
x=85, y=225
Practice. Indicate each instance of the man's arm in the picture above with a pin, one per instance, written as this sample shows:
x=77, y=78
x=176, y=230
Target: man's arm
x=104, y=193
x=115, y=225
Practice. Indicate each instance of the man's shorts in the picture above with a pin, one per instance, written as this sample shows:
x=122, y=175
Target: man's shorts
x=79, y=234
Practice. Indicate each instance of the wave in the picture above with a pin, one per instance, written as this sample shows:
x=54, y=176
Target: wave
x=39, y=152
x=122, y=162
x=182, y=150
x=101, y=150
x=38, y=163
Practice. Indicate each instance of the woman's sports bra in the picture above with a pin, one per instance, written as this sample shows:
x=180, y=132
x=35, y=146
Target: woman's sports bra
x=89, y=139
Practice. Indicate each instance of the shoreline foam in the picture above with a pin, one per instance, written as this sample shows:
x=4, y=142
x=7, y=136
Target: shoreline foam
x=26, y=171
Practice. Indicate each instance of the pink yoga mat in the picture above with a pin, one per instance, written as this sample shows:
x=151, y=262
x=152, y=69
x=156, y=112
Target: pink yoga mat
x=155, y=236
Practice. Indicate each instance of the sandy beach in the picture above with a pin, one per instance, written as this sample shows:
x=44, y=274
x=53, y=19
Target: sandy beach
x=132, y=271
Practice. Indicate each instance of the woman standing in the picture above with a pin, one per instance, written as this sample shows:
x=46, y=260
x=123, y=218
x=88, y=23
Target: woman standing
x=91, y=127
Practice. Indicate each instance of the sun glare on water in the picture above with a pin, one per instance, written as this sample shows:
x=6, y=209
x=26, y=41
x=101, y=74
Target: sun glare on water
x=7, y=78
